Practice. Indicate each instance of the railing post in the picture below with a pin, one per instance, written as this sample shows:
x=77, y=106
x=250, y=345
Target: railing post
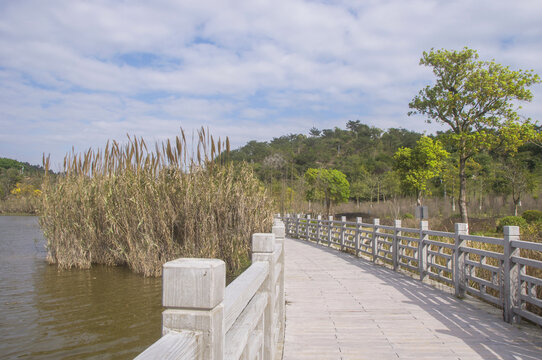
x=343, y=232
x=376, y=230
x=358, y=235
x=318, y=228
x=297, y=220
x=278, y=230
x=395, y=247
x=511, y=275
x=459, y=259
x=422, y=249
x=329, y=230
x=307, y=228
x=263, y=246
x=193, y=291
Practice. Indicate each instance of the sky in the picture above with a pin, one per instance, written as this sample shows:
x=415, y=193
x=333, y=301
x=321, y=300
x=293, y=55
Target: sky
x=74, y=74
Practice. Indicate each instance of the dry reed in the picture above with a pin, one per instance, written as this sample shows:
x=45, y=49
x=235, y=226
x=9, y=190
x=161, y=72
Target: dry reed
x=23, y=205
x=128, y=205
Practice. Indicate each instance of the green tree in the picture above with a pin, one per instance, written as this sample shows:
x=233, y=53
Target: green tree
x=359, y=189
x=476, y=99
x=328, y=185
x=418, y=165
x=516, y=175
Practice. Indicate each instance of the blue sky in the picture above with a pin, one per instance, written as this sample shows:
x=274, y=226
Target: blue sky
x=76, y=73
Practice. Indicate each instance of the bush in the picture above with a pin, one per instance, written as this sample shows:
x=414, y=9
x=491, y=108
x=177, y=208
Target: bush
x=533, y=233
x=532, y=215
x=511, y=221
x=408, y=216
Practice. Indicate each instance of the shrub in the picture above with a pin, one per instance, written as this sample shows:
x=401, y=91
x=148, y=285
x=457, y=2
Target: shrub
x=408, y=216
x=127, y=206
x=511, y=221
x=532, y=215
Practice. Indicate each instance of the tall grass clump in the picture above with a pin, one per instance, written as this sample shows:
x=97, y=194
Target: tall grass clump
x=126, y=205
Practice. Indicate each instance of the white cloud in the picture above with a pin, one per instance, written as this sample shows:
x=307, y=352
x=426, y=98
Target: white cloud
x=75, y=73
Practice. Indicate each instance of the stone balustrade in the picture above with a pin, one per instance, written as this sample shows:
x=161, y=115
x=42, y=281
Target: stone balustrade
x=206, y=320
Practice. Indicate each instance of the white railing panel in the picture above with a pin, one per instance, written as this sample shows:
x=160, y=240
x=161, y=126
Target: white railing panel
x=238, y=336
x=241, y=290
x=173, y=346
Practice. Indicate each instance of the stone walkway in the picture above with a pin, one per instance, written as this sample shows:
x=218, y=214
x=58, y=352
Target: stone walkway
x=341, y=307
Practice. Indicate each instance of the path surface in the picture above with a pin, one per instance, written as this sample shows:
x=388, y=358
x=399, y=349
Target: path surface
x=340, y=307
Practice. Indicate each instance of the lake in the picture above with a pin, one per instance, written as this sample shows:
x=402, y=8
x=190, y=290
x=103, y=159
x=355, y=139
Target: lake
x=46, y=313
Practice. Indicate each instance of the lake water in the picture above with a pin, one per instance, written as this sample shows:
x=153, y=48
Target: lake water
x=46, y=313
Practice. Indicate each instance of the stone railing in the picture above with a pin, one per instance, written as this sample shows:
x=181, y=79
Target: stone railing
x=505, y=272
x=208, y=321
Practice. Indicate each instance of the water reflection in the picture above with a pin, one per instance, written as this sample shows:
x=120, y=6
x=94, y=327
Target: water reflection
x=99, y=313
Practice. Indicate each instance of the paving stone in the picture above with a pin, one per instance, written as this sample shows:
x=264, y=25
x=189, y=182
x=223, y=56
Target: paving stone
x=342, y=307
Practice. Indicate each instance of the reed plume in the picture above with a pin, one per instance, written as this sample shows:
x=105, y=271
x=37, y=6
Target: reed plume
x=128, y=205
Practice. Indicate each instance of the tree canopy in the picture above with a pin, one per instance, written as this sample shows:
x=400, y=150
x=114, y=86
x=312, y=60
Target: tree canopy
x=478, y=101
x=418, y=165
x=330, y=186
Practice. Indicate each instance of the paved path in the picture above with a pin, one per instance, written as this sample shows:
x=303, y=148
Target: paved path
x=340, y=307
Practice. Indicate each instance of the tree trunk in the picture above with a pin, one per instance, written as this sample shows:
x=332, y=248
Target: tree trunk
x=515, y=198
x=463, y=190
x=453, y=197
x=419, y=198
x=481, y=195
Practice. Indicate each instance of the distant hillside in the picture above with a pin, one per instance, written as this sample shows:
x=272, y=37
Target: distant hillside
x=358, y=149
x=365, y=155
x=6, y=163
x=13, y=172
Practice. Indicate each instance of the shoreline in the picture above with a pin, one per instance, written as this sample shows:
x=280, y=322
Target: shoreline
x=17, y=214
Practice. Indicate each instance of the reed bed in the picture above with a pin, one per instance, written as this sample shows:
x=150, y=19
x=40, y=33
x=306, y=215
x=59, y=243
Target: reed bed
x=128, y=205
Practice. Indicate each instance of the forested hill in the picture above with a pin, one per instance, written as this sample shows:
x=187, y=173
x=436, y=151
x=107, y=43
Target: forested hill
x=357, y=149
x=365, y=154
x=6, y=164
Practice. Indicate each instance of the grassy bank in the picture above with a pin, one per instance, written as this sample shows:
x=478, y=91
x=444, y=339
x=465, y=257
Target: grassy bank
x=19, y=206
x=126, y=205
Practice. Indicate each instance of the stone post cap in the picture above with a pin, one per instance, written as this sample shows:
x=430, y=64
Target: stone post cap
x=424, y=225
x=461, y=228
x=193, y=283
x=279, y=231
x=511, y=230
x=263, y=242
